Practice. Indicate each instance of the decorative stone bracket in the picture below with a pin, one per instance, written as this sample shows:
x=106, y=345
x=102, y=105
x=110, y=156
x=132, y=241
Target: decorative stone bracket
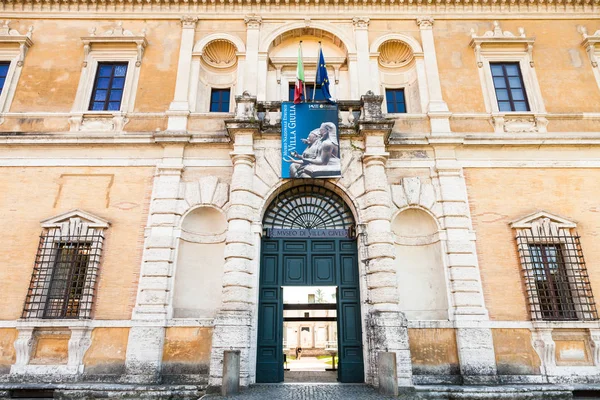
x=116, y=36
x=519, y=123
x=8, y=36
x=98, y=122
x=544, y=345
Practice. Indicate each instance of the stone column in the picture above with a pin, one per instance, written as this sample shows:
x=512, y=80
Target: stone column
x=361, y=35
x=179, y=110
x=233, y=323
x=153, y=308
x=475, y=345
x=252, y=71
x=387, y=326
x=438, y=109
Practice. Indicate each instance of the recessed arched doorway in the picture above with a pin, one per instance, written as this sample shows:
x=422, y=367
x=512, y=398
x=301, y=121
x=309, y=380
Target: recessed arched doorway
x=309, y=240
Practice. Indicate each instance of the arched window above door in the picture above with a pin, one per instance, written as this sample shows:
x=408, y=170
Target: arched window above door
x=308, y=207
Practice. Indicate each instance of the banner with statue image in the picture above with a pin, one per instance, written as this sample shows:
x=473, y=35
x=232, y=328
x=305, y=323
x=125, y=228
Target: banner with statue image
x=310, y=141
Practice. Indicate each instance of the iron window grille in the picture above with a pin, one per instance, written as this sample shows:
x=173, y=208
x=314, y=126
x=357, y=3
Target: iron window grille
x=557, y=283
x=509, y=87
x=64, y=274
x=395, y=100
x=108, y=86
x=4, y=66
x=219, y=100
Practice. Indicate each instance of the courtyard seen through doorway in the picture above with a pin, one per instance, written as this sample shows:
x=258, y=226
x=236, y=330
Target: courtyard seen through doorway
x=310, y=334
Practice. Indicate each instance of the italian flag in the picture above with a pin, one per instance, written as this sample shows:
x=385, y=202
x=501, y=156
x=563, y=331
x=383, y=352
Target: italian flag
x=298, y=90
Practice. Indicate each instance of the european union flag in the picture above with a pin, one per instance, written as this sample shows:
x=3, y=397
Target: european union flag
x=322, y=78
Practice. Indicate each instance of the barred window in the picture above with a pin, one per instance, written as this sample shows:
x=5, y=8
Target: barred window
x=65, y=271
x=556, y=278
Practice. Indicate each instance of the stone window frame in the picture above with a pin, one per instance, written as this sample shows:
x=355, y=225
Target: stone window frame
x=554, y=230
x=78, y=226
x=591, y=44
x=503, y=46
x=114, y=45
x=13, y=49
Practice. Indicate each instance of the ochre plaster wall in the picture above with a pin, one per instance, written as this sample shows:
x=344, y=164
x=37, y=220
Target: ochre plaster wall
x=7, y=350
x=119, y=195
x=498, y=196
x=433, y=351
x=514, y=352
x=187, y=350
x=50, y=347
x=49, y=83
x=106, y=354
x=561, y=64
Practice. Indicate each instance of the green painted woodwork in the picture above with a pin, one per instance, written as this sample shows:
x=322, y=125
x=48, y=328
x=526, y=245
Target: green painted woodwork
x=309, y=262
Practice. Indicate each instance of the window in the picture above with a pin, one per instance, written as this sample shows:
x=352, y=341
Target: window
x=508, y=84
x=552, y=282
x=219, y=100
x=65, y=269
x=3, y=73
x=67, y=284
x=310, y=87
x=395, y=100
x=556, y=278
x=108, y=87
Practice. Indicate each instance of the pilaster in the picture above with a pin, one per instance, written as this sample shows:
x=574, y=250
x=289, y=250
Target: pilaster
x=387, y=326
x=153, y=308
x=475, y=345
x=361, y=35
x=438, y=109
x=233, y=324
x=179, y=110
x=253, y=72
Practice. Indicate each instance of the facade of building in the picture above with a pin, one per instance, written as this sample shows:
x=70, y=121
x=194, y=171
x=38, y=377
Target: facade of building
x=140, y=164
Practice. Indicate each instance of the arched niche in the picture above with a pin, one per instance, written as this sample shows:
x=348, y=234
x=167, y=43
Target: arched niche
x=216, y=62
x=199, y=268
x=419, y=266
x=283, y=56
x=399, y=62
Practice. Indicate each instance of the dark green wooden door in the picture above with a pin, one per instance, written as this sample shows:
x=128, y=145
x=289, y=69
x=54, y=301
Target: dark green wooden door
x=308, y=262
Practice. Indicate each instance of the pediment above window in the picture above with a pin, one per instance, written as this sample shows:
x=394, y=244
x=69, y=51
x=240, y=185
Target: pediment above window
x=490, y=41
x=12, y=36
x=116, y=37
x=75, y=219
x=542, y=222
x=591, y=43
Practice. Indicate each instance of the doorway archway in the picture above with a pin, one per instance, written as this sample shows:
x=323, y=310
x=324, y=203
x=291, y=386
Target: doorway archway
x=308, y=240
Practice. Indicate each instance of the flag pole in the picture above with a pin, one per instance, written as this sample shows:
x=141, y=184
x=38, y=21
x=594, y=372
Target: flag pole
x=302, y=56
x=316, y=72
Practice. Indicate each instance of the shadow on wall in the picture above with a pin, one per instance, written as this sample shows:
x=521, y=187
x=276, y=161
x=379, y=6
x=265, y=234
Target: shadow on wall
x=420, y=269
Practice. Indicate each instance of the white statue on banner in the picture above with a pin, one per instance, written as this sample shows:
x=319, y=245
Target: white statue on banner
x=321, y=157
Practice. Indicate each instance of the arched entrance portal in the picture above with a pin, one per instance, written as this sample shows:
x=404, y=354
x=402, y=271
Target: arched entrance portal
x=309, y=241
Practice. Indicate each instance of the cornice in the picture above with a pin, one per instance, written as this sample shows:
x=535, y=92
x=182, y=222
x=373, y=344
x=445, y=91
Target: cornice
x=387, y=8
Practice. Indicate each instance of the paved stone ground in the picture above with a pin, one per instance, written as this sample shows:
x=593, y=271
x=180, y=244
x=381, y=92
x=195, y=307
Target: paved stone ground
x=306, y=391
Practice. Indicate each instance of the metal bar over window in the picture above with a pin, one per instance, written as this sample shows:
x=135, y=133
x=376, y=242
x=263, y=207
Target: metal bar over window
x=556, y=278
x=64, y=274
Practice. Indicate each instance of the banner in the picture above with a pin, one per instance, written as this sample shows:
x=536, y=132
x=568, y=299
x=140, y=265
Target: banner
x=310, y=141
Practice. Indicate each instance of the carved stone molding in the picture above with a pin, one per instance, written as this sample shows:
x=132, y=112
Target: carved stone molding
x=544, y=345
x=8, y=35
x=497, y=37
x=595, y=342
x=79, y=343
x=115, y=36
x=253, y=21
x=425, y=22
x=361, y=22
x=97, y=123
x=519, y=123
x=23, y=346
x=189, y=21
x=589, y=43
